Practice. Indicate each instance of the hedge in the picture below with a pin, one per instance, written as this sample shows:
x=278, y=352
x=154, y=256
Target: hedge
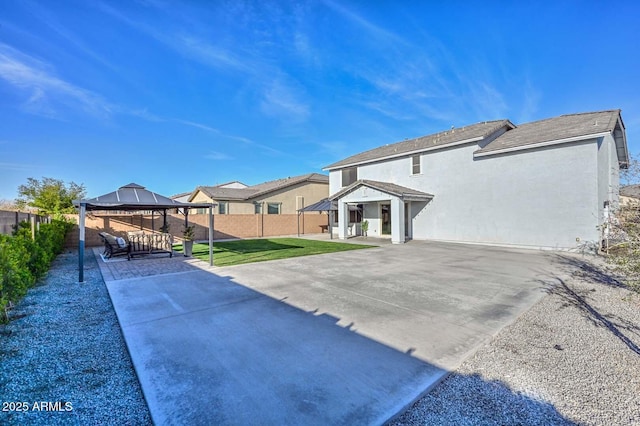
x=23, y=260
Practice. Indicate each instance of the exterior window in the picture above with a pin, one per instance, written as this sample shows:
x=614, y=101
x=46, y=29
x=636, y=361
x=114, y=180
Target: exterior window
x=258, y=208
x=201, y=211
x=349, y=176
x=415, y=165
x=223, y=207
x=273, y=208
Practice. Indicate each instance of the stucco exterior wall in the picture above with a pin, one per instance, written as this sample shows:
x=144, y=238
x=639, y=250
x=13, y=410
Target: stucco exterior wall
x=545, y=197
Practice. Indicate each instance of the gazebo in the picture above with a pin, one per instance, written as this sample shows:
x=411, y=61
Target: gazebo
x=134, y=197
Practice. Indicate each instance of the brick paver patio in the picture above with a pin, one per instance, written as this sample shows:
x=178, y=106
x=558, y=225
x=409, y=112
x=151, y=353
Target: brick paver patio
x=119, y=268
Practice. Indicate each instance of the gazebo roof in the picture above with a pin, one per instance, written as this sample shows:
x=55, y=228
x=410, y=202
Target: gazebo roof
x=325, y=205
x=134, y=197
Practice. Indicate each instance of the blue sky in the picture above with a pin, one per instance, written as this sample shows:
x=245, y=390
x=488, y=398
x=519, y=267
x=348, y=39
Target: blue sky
x=172, y=95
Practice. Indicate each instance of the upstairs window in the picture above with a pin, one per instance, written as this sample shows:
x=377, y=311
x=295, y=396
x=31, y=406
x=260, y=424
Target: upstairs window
x=258, y=208
x=223, y=207
x=349, y=176
x=273, y=208
x=415, y=165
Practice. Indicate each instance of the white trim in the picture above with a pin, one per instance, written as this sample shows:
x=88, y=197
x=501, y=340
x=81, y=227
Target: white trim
x=404, y=154
x=540, y=144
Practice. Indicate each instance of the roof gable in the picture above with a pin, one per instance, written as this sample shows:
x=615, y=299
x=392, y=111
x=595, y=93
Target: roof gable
x=471, y=133
x=632, y=191
x=565, y=128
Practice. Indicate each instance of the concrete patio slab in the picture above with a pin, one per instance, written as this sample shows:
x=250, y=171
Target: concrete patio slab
x=344, y=338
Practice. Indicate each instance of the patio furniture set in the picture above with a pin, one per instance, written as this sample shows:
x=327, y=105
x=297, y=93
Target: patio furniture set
x=137, y=243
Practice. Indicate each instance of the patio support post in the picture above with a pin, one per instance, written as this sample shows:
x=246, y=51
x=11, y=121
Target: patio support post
x=397, y=220
x=164, y=219
x=343, y=220
x=331, y=224
x=83, y=209
x=211, y=235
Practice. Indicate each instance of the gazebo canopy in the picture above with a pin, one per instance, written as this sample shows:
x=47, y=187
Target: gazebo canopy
x=134, y=197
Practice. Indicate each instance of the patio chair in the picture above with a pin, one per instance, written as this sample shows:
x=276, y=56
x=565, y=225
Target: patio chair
x=113, y=246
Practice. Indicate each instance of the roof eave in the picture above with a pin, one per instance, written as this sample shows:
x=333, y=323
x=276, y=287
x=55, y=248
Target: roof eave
x=480, y=152
x=403, y=154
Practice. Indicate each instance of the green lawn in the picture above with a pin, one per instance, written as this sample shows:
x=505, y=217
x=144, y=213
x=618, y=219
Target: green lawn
x=247, y=251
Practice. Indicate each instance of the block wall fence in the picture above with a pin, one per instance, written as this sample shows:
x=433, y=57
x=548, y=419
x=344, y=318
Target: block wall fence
x=225, y=226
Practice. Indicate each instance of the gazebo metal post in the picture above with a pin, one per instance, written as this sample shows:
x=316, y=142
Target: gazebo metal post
x=164, y=220
x=83, y=209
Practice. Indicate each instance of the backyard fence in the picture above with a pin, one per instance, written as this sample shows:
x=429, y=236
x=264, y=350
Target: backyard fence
x=225, y=226
x=10, y=219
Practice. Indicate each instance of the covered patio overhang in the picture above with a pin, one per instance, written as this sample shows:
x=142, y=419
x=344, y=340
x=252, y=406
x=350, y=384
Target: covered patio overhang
x=134, y=197
x=324, y=205
x=370, y=191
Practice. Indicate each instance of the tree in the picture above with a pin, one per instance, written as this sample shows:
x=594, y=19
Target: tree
x=631, y=175
x=622, y=242
x=50, y=196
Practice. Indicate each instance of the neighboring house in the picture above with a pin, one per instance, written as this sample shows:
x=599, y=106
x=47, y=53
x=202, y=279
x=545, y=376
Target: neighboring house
x=282, y=196
x=182, y=198
x=545, y=184
x=630, y=194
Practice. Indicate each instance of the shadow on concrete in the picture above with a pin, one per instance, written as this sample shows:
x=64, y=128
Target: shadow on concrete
x=588, y=272
x=209, y=350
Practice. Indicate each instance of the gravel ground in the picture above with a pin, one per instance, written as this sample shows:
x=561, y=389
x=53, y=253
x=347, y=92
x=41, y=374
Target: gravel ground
x=65, y=346
x=574, y=358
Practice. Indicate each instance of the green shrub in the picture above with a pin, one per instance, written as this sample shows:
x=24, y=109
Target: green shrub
x=24, y=260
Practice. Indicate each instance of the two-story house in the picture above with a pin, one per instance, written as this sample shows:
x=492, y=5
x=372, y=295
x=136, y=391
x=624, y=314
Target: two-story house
x=545, y=184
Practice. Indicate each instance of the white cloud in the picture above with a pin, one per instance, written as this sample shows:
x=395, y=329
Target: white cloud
x=16, y=166
x=282, y=99
x=280, y=94
x=47, y=94
x=216, y=156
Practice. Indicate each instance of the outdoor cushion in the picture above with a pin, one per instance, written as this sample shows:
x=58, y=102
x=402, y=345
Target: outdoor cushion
x=121, y=242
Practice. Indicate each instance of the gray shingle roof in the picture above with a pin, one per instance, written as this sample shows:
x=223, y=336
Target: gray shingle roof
x=386, y=187
x=241, y=194
x=632, y=191
x=472, y=132
x=552, y=129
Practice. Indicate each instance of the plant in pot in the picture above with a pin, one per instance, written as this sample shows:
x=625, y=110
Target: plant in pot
x=365, y=228
x=188, y=234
